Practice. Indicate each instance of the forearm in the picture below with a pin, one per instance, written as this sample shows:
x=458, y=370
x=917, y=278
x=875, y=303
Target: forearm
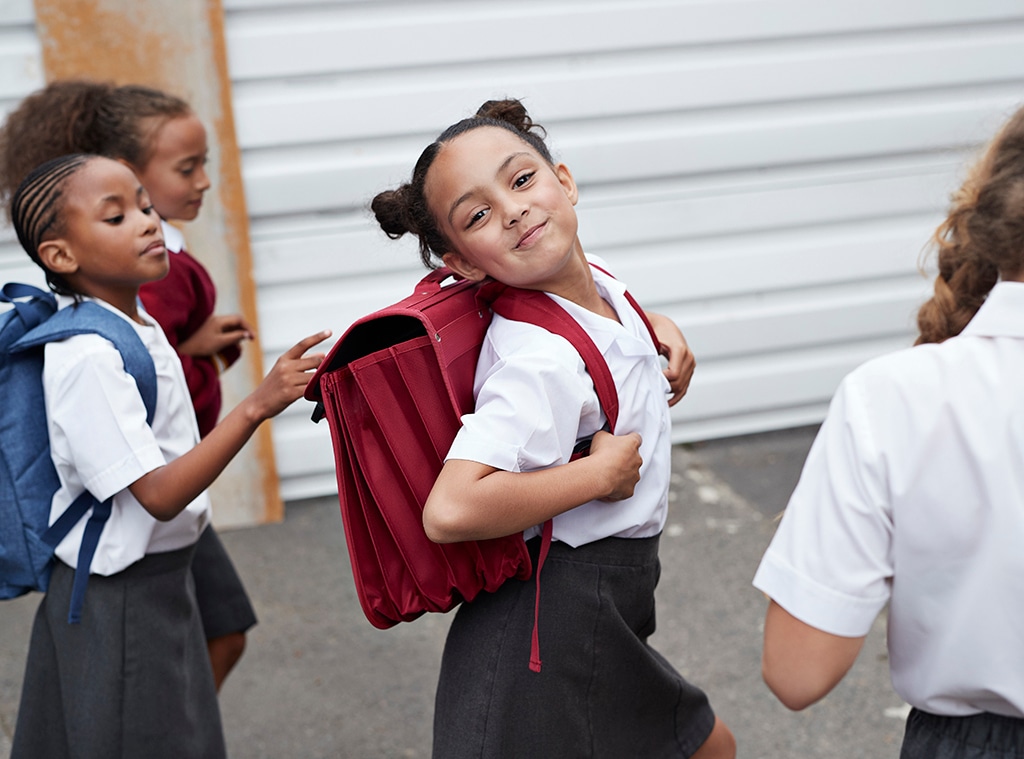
x=471, y=501
x=166, y=491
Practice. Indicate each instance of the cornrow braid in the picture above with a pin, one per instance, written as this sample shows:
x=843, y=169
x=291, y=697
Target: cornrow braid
x=36, y=209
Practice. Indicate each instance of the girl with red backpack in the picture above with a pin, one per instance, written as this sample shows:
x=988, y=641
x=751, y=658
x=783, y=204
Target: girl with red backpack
x=487, y=199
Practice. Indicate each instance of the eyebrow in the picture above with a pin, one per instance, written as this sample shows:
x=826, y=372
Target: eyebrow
x=116, y=198
x=465, y=196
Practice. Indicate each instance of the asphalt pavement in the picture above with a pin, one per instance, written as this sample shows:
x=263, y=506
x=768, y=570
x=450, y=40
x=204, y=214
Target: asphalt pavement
x=317, y=680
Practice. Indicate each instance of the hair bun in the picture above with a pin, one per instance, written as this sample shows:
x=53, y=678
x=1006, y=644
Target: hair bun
x=510, y=111
x=389, y=207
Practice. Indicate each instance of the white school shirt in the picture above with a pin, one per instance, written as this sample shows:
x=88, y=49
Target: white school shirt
x=913, y=494
x=534, y=400
x=99, y=440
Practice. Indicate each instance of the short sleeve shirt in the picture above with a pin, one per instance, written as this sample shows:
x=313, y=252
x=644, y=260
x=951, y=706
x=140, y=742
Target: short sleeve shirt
x=99, y=440
x=535, y=400
x=913, y=495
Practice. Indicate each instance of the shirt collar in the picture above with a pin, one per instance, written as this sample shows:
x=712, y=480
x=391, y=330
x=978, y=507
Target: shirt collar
x=630, y=332
x=174, y=240
x=1002, y=313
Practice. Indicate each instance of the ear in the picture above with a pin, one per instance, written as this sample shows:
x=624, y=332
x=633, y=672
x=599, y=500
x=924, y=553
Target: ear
x=568, y=183
x=461, y=266
x=56, y=255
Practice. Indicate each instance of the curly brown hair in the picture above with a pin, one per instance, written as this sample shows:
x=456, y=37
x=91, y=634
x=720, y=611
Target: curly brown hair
x=404, y=210
x=82, y=116
x=981, y=238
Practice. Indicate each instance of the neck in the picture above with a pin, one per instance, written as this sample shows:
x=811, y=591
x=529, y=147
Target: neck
x=126, y=302
x=579, y=286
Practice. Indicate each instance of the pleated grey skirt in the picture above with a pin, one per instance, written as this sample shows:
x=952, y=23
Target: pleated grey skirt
x=602, y=691
x=132, y=680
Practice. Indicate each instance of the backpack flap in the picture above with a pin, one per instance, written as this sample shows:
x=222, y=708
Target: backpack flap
x=446, y=312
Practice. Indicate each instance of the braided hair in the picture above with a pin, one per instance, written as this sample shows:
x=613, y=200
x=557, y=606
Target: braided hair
x=37, y=206
x=981, y=238
x=404, y=210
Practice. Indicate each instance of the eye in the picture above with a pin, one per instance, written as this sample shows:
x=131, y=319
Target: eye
x=114, y=220
x=147, y=210
x=522, y=179
x=476, y=217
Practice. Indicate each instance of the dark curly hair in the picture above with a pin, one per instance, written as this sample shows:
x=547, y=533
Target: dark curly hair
x=981, y=238
x=404, y=210
x=82, y=116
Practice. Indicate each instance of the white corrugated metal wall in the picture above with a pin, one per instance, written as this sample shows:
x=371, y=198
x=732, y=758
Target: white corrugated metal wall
x=21, y=72
x=764, y=171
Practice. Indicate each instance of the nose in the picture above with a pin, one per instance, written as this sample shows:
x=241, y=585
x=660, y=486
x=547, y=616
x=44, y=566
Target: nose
x=150, y=222
x=515, y=210
x=202, y=179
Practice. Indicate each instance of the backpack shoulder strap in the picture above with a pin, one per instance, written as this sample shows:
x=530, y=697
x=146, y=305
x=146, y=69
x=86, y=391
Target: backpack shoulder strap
x=86, y=318
x=537, y=308
x=83, y=318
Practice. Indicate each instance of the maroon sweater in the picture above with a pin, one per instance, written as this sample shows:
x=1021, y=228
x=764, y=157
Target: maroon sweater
x=180, y=303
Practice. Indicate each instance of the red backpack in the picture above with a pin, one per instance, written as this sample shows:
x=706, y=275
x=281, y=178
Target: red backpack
x=393, y=390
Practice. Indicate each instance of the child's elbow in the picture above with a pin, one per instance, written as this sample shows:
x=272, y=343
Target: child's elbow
x=441, y=523
x=148, y=492
x=792, y=693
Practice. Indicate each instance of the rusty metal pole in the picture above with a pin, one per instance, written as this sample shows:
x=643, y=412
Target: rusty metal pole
x=178, y=46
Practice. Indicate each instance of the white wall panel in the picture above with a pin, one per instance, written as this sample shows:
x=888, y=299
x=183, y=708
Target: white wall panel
x=766, y=172
x=21, y=72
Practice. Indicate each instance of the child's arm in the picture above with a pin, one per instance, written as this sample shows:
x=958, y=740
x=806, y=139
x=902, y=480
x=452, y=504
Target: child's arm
x=800, y=663
x=681, y=361
x=167, y=490
x=473, y=501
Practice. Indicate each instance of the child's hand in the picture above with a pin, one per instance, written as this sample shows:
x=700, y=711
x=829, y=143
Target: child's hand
x=620, y=462
x=681, y=361
x=216, y=334
x=287, y=380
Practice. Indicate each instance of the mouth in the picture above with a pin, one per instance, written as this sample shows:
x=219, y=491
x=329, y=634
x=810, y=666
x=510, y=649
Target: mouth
x=531, y=234
x=156, y=248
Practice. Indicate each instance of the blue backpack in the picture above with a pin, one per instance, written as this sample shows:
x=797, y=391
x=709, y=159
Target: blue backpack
x=28, y=479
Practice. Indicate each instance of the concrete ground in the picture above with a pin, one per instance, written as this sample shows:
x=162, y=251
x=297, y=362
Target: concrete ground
x=318, y=681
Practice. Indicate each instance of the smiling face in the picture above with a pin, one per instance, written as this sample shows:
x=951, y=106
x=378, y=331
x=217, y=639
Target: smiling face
x=175, y=173
x=506, y=211
x=110, y=241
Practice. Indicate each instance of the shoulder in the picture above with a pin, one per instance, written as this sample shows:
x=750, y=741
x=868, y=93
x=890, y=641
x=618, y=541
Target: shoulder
x=909, y=372
x=521, y=341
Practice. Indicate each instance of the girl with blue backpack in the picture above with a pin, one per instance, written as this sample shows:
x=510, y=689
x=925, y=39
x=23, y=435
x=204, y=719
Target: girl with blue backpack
x=488, y=200
x=132, y=678
x=163, y=141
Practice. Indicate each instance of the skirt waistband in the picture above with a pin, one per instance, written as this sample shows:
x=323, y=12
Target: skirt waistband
x=625, y=552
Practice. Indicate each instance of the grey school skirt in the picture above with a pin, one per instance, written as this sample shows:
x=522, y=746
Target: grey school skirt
x=224, y=606
x=132, y=680
x=602, y=690
x=979, y=736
